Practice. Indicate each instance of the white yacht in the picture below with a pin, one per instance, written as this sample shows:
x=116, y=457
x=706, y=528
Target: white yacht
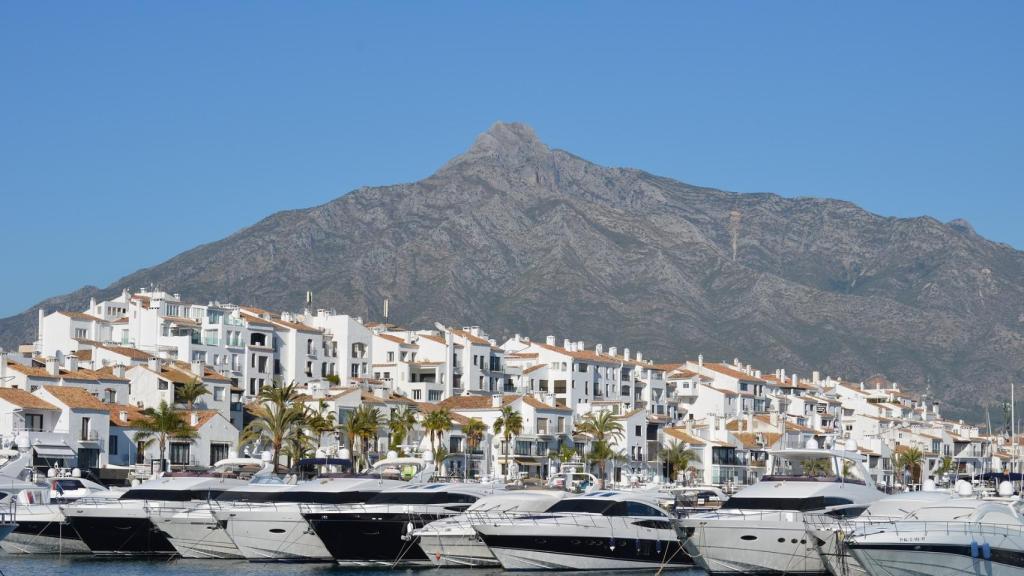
x=124, y=526
x=603, y=530
x=266, y=524
x=453, y=542
x=958, y=536
x=381, y=530
x=829, y=531
x=42, y=527
x=761, y=528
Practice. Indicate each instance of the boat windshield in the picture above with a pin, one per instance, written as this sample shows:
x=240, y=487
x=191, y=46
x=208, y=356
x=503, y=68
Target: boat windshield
x=605, y=507
x=421, y=498
x=795, y=504
x=304, y=497
x=813, y=468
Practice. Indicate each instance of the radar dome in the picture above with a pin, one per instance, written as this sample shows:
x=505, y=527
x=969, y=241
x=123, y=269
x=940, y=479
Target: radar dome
x=928, y=486
x=392, y=454
x=964, y=488
x=1005, y=488
x=812, y=444
x=851, y=445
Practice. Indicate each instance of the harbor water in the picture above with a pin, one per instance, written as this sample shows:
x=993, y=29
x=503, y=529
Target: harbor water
x=85, y=565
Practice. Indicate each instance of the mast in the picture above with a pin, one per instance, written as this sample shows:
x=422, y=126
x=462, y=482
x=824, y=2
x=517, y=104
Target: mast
x=1013, y=435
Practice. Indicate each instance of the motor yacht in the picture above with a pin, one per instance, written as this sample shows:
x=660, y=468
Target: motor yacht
x=380, y=531
x=42, y=527
x=761, y=530
x=265, y=523
x=829, y=531
x=453, y=542
x=124, y=525
x=965, y=535
x=602, y=530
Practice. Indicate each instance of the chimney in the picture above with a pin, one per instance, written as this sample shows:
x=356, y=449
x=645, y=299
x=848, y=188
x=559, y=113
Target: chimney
x=796, y=381
x=736, y=363
x=750, y=421
x=199, y=368
x=625, y=353
x=773, y=417
x=518, y=338
x=757, y=373
x=566, y=343
x=580, y=346
x=39, y=322
x=71, y=362
x=194, y=418
x=496, y=401
x=92, y=305
x=782, y=374
x=550, y=340
x=639, y=356
x=118, y=370
x=153, y=363
x=3, y=368
x=599, y=349
x=612, y=350
x=861, y=385
x=380, y=393
x=51, y=366
x=123, y=415
x=816, y=377
x=549, y=398
x=700, y=361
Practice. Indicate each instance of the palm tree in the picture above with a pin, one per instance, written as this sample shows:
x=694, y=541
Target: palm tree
x=508, y=424
x=910, y=459
x=189, y=392
x=946, y=465
x=677, y=457
x=278, y=415
x=360, y=424
x=163, y=423
x=601, y=452
x=439, y=456
x=603, y=428
x=401, y=424
x=297, y=447
x=436, y=424
x=321, y=421
x=474, y=431
x=372, y=422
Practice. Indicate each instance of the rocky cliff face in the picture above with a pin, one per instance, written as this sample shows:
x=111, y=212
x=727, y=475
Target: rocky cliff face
x=517, y=237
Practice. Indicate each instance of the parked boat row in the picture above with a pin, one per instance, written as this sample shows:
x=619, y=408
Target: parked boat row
x=814, y=513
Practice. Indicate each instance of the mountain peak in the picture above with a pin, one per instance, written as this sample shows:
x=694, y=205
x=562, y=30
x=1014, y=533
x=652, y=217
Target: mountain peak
x=510, y=143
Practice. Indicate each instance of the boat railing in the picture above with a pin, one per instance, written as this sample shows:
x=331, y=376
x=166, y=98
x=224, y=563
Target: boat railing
x=8, y=512
x=756, y=515
x=853, y=527
x=572, y=519
x=242, y=505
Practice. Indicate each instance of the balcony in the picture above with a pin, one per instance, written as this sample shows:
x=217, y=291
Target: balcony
x=89, y=436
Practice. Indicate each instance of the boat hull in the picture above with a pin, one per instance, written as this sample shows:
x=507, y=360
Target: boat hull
x=464, y=549
x=371, y=538
x=196, y=534
x=43, y=537
x=121, y=536
x=273, y=533
x=745, y=546
x=950, y=558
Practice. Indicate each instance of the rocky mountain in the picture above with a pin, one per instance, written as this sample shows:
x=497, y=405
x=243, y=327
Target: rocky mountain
x=517, y=237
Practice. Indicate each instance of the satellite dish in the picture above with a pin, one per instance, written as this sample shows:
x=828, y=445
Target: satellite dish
x=392, y=454
x=440, y=327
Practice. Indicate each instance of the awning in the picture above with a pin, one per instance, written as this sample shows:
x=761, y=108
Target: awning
x=57, y=451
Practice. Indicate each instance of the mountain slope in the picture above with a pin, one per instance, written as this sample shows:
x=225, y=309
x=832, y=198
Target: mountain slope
x=517, y=237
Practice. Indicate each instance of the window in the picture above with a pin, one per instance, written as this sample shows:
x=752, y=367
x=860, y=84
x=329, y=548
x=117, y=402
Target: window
x=218, y=451
x=162, y=385
x=179, y=453
x=355, y=370
x=417, y=394
x=218, y=394
x=309, y=346
x=112, y=445
x=391, y=357
x=434, y=395
x=85, y=429
x=638, y=432
x=309, y=368
x=81, y=333
x=34, y=422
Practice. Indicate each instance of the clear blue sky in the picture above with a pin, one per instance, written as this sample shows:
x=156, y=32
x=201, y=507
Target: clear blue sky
x=132, y=131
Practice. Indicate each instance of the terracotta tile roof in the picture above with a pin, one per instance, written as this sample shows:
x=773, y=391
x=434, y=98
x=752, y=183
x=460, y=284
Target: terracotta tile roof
x=589, y=355
x=24, y=399
x=627, y=415
x=80, y=316
x=85, y=355
x=80, y=375
x=530, y=400
x=144, y=300
x=683, y=436
x=534, y=368
x=750, y=439
x=254, y=320
x=667, y=367
x=180, y=320
x=33, y=371
x=470, y=337
x=732, y=372
x=204, y=417
x=121, y=320
x=391, y=338
x=133, y=353
x=369, y=398
x=133, y=413
x=76, y=398
x=433, y=338
x=297, y=326
x=427, y=408
x=474, y=402
x=522, y=355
